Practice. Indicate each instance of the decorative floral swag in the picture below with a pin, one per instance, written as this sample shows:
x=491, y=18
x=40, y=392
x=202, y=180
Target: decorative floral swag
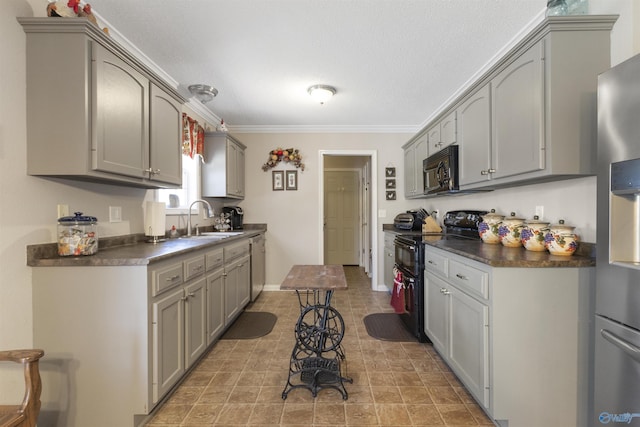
x=289, y=155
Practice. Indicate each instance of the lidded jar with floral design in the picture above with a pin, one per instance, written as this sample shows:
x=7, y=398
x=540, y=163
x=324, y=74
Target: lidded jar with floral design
x=488, y=227
x=509, y=231
x=532, y=234
x=561, y=240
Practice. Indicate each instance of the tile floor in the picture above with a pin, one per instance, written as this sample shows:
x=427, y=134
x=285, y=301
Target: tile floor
x=240, y=382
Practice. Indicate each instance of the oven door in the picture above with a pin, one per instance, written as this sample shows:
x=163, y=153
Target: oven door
x=406, y=256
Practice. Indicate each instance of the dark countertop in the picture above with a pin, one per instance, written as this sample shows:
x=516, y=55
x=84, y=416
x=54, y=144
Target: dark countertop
x=502, y=256
x=130, y=250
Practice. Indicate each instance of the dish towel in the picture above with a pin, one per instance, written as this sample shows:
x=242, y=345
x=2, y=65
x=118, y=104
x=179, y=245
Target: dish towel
x=397, y=296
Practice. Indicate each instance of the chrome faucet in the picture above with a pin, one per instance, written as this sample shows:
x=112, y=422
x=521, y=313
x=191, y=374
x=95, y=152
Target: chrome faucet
x=209, y=213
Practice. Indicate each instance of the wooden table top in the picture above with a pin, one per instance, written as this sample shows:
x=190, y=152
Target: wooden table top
x=316, y=277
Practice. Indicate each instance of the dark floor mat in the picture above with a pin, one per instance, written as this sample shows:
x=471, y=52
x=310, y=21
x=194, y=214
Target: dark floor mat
x=251, y=324
x=387, y=327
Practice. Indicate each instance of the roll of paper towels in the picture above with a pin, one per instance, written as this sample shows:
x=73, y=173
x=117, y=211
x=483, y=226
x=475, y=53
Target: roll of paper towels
x=154, y=219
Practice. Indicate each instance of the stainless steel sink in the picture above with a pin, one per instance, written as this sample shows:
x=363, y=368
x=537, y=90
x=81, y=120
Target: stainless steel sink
x=222, y=233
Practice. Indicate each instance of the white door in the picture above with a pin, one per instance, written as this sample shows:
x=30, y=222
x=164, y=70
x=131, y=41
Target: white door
x=342, y=217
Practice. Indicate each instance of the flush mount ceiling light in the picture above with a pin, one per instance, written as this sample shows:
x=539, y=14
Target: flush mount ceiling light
x=321, y=93
x=203, y=93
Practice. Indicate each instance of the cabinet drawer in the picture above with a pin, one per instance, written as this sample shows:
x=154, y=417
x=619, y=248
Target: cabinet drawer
x=236, y=250
x=469, y=279
x=214, y=259
x=436, y=263
x=193, y=267
x=166, y=278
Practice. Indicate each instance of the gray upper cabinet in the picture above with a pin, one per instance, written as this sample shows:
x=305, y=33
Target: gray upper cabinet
x=414, y=153
x=517, y=113
x=443, y=133
x=223, y=170
x=531, y=117
x=109, y=119
x=474, y=130
x=166, y=126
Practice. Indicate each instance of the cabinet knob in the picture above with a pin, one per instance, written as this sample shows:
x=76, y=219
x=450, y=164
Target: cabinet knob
x=484, y=172
x=491, y=171
x=460, y=276
x=445, y=292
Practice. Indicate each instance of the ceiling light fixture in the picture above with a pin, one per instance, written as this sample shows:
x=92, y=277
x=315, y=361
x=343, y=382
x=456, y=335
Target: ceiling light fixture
x=321, y=93
x=203, y=93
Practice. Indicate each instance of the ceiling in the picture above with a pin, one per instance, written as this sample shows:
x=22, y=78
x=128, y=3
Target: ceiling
x=394, y=63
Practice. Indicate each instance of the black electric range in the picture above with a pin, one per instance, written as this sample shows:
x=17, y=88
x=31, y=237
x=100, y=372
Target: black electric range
x=409, y=261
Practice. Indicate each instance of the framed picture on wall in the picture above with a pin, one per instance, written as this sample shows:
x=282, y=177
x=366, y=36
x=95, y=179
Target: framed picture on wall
x=292, y=180
x=390, y=172
x=391, y=183
x=277, y=180
x=391, y=195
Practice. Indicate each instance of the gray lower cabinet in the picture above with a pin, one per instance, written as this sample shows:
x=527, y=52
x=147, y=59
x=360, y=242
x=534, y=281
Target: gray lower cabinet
x=215, y=294
x=389, y=260
x=179, y=322
x=110, y=119
x=500, y=328
x=131, y=332
x=237, y=279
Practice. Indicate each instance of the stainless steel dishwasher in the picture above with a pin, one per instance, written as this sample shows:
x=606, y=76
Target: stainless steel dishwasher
x=258, y=271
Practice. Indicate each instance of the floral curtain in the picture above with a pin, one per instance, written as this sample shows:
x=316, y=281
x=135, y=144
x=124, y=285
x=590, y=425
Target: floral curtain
x=192, y=137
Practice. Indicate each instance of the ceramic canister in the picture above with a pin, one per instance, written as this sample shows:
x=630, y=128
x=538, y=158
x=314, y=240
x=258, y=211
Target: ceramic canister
x=509, y=231
x=533, y=233
x=488, y=227
x=561, y=240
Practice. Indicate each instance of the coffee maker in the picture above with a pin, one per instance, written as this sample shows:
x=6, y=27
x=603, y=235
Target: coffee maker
x=235, y=216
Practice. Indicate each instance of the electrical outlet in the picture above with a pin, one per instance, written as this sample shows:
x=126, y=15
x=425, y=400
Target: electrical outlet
x=115, y=214
x=382, y=213
x=540, y=211
x=63, y=210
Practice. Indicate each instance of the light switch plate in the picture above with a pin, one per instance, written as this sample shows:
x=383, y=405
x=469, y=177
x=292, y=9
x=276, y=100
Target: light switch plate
x=115, y=213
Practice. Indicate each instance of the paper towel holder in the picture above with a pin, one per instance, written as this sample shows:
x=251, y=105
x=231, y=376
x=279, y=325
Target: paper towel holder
x=154, y=219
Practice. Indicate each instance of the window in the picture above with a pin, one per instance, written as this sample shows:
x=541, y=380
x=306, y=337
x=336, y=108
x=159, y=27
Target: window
x=179, y=199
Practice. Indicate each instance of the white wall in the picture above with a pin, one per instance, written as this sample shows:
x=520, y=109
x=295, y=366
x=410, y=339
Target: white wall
x=28, y=214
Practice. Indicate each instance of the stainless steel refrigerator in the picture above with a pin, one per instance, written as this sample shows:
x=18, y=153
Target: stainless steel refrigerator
x=617, y=322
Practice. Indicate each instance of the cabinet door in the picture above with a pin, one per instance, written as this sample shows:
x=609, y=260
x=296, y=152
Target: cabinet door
x=436, y=320
x=195, y=320
x=389, y=262
x=165, y=137
x=449, y=129
x=235, y=169
x=435, y=139
x=215, y=304
x=240, y=159
x=410, y=184
x=231, y=292
x=517, y=107
x=168, y=342
x=469, y=344
x=421, y=149
x=120, y=116
x=244, y=282
x=474, y=131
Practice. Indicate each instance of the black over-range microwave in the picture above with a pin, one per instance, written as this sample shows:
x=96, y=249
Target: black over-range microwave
x=440, y=171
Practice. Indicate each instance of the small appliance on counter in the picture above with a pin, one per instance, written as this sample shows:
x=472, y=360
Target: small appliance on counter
x=410, y=220
x=235, y=215
x=77, y=235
